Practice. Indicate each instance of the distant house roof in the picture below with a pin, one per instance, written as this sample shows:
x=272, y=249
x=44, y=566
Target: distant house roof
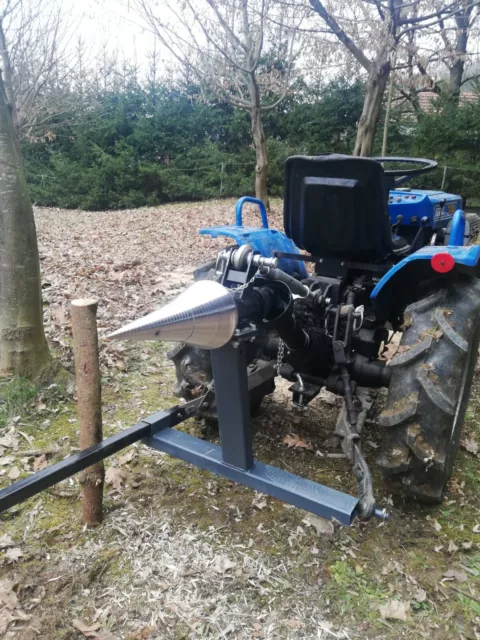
x=427, y=99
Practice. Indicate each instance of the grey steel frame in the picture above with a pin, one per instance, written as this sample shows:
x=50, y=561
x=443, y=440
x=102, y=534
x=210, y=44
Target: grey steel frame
x=233, y=459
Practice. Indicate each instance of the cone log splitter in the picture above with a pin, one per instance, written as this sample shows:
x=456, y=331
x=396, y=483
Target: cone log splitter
x=383, y=262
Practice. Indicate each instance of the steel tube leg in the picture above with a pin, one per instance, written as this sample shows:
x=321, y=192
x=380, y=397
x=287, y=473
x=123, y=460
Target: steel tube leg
x=231, y=391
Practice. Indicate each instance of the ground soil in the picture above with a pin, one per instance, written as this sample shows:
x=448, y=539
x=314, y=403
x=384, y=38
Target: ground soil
x=184, y=554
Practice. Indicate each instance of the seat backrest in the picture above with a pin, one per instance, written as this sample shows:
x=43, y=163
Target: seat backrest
x=336, y=205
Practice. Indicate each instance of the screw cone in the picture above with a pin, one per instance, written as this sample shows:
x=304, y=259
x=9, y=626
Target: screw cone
x=204, y=315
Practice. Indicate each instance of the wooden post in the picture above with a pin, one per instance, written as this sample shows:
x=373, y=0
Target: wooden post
x=89, y=402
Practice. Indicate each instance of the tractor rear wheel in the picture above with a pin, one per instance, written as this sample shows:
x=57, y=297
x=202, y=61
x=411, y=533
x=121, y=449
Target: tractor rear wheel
x=429, y=389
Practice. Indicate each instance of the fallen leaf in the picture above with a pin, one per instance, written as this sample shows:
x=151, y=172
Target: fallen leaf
x=127, y=457
x=13, y=555
x=476, y=528
x=467, y=545
x=115, y=477
x=420, y=595
x=470, y=445
x=328, y=397
x=92, y=631
x=58, y=316
x=40, y=462
x=296, y=442
x=9, y=611
x=452, y=547
x=223, y=564
x=293, y=624
x=322, y=526
x=10, y=441
x=455, y=574
x=6, y=460
x=14, y=473
x=395, y=610
x=437, y=526
x=389, y=352
x=6, y=541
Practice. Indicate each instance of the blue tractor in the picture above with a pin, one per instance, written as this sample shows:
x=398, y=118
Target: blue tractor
x=362, y=260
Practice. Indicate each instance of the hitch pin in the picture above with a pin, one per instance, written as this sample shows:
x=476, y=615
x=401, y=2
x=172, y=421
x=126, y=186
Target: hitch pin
x=381, y=514
x=301, y=389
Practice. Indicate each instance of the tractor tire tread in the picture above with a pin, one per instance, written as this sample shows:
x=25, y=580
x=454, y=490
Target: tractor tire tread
x=429, y=389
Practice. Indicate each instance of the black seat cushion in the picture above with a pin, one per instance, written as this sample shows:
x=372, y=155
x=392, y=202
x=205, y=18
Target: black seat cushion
x=336, y=205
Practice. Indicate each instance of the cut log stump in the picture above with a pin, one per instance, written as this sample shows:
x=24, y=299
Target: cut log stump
x=89, y=402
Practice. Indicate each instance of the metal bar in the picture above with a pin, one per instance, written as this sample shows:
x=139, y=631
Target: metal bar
x=301, y=492
x=233, y=407
x=24, y=489
x=361, y=266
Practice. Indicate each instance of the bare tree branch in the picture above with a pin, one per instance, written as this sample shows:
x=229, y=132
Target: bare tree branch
x=345, y=39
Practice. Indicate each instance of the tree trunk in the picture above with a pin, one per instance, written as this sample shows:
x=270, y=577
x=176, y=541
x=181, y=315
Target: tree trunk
x=372, y=106
x=462, y=21
x=89, y=402
x=261, y=167
x=259, y=141
x=8, y=76
x=23, y=348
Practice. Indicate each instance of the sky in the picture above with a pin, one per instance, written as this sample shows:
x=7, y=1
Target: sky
x=110, y=22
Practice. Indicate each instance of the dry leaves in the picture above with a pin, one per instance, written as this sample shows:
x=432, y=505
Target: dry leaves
x=294, y=441
x=10, y=440
x=14, y=473
x=322, y=526
x=13, y=555
x=392, y=349
x=127, y=457
x=395, y=610
x=126, y=259
x=40, y=462
x=470, y=445
x=420, y=595
x=455, y=574
x=93, y=631
x=222, y=564
x=6, y=541
x=9, y=609
x=115, y=477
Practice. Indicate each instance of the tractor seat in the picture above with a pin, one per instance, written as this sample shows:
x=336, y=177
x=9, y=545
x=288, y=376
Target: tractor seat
x=336, y=206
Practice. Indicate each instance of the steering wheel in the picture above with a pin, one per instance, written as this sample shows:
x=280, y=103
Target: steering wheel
x=403, y=175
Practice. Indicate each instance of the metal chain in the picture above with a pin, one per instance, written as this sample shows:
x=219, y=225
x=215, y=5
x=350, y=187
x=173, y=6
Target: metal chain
x=280, y=353
x=247, y=284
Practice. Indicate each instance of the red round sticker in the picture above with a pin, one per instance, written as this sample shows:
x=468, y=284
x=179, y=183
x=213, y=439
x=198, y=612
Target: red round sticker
x=442, y=262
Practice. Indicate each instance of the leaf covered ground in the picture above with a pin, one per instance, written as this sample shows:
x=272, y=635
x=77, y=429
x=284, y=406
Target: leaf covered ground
x=184, y=554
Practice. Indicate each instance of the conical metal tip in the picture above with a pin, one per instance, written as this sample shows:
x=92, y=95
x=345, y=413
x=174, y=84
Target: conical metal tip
x=204, y=315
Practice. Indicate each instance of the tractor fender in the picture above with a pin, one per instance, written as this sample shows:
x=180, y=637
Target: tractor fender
x=425, y=263
x=262, y=239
